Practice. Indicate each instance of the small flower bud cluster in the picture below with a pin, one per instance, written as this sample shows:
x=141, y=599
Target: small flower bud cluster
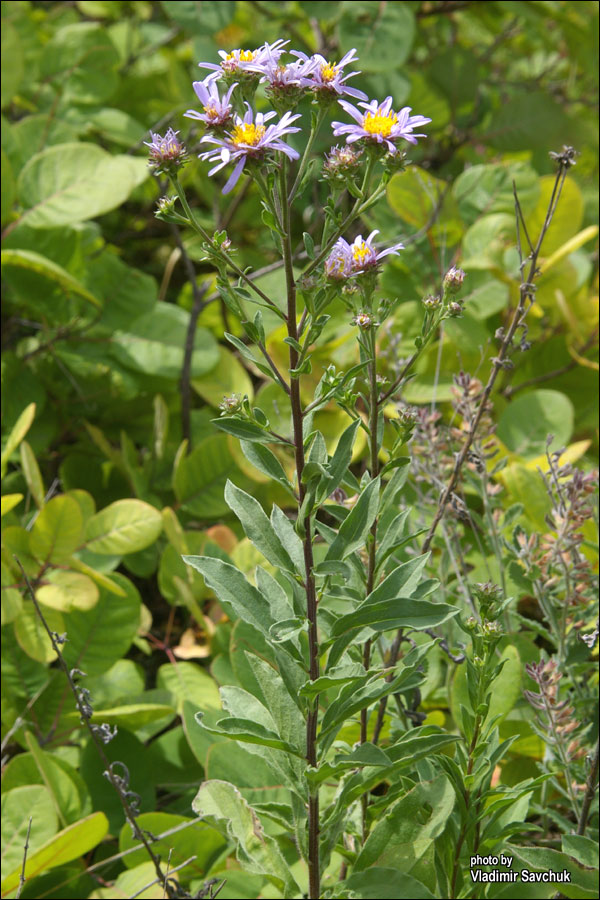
x=231, y=405
x=341, y=163
x=167, y=154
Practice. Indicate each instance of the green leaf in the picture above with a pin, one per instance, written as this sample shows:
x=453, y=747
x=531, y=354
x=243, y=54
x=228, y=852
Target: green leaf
x=32, y=474
x=239, y=598
x=383, y=36
x=197, y=840
x=407, y=831
x=71, y=183
x=35, y=262
x=416, y=195
x=69, y=844
x=505, y=691
x=18, y=805
x=381, y=883
x=582, y=883
x=532, y=120
x=257, y=527
x=58, y=530
x=123, y=527
x=243, y=430
x=18, y=432
x=199, y=479
x=83, y=60
x=396, y=612
x=526, y=422
x=581, y=848
x=64, y=590
x=486, y=189
x=283, y=709
x=257, y=852
x=187, y=681
x=200, y=17
x=12, y=62
x=131, y=715
x=9, y=501
x=249, y=732
x=355, y=527
x=340, y=460
x=100, y=636
x=154, y=344
x=69, y=794
x=266, y=462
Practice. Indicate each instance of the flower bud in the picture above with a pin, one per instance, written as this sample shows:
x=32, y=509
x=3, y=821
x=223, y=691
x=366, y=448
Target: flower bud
x=364, y=321
x=167, y=153
x=453, y=280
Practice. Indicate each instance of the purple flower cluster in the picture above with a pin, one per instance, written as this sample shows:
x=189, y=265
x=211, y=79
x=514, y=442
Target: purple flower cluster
x=347, y=260
x=240, y=135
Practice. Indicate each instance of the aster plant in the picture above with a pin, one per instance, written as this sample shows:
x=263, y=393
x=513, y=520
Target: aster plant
x=342, y=619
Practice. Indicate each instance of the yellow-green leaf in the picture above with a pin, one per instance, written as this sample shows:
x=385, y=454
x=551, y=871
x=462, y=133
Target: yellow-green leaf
x=67, y=845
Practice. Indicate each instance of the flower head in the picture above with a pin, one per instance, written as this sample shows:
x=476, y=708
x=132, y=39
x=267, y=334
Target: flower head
x=217, y=109
x=328, y=77
x=166, y=153
x=346, y=260
x=365, y=256
x=379, y=124
x=251, y=138
x=338, y=265
x=364, y=320
x=341, y=162
x=238, y=61
x=453, y=279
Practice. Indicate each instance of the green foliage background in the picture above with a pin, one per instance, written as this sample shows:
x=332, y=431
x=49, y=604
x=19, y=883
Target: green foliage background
x=101, y=497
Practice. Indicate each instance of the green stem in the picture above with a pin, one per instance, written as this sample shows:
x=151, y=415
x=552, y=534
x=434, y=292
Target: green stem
x=314, y=875
x=306, y=155
x=372, y=560
x=215, y=248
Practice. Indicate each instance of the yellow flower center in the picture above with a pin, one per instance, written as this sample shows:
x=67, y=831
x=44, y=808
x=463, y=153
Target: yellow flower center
x=329, y=71
x=248, y=133
x=361, y=252
x=244, y=56
x=211, y=112
x=376, y=123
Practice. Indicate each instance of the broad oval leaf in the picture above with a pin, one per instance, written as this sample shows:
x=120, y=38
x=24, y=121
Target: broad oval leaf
x=125, y=526
x=58, y=530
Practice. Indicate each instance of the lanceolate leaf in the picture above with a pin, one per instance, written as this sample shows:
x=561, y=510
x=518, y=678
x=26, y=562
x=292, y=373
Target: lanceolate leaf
x=238, y=597
x=355, y=527
x=257, y=852
x=397, y=612
x=257, y=527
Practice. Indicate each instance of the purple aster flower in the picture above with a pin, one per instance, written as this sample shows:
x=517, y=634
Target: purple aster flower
x=365, y=256
x=329, y=77
x=338, y=264
x=282, y=76
x=379, y=123
x=217, y=109
x=241, y=60
x=249, y=138
x=166, y=153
